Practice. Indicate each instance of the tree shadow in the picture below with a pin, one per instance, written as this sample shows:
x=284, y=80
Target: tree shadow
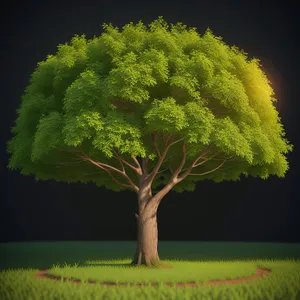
x=118, y=265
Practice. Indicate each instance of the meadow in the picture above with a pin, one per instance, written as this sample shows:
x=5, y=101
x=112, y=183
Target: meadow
x=108, y=262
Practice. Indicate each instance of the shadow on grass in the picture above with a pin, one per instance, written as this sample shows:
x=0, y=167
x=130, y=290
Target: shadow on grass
x=118, y=265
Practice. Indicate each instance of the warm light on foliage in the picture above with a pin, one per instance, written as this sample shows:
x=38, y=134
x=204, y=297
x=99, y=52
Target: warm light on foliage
x=112, y=94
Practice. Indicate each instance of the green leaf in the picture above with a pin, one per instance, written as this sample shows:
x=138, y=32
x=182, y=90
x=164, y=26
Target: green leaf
x=229, y=139
x=119, y=133
x=48, y=135
x=82, y=126
x=200, y=123
x=114, y=91
x=165, y=115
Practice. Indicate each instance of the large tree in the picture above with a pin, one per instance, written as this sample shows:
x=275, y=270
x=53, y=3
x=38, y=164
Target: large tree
x=149, y=109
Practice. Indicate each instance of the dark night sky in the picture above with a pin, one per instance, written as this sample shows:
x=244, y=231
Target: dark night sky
x=249, y=210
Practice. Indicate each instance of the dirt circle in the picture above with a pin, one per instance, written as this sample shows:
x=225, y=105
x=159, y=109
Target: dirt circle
x=259, y=273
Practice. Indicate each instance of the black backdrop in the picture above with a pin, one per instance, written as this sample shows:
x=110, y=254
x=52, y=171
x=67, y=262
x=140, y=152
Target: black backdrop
x=249, y=210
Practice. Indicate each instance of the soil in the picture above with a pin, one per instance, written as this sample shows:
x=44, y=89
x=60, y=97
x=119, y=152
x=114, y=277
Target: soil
x=259, y=273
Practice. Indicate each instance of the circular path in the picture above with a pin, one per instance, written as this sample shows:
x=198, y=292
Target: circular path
x=259, y=273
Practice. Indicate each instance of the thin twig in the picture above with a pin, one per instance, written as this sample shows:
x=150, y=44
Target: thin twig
x=209, y=171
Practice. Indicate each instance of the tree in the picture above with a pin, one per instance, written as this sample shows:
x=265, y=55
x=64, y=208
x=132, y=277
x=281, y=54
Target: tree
x=149, y=109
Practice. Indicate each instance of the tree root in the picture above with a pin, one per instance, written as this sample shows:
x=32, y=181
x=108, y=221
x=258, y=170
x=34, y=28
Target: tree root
x=150, y=263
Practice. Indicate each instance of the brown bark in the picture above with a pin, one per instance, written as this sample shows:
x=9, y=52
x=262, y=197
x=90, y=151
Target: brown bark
x=147, y=241
x=147, y=233
x=147, y=237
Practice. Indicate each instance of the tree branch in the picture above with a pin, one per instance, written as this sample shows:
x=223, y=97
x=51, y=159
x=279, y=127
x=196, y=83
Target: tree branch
x=154, y=141
x=166, y=138
x=171, y=170
x=204, y=161
x=116, y=180
x=123, y=168
x=138, y=171
x=70, y=163
x=210, y=170
x=145, y=166
x=70, y=151
x=162, y=171
x=154, y=202
x=188, y=170
x=136, y=162
x=152, y=175
x=178, y=170
x=104, y=166
x=229, y=159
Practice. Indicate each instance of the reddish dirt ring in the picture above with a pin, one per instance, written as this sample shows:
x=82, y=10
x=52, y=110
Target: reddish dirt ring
x=259, y=273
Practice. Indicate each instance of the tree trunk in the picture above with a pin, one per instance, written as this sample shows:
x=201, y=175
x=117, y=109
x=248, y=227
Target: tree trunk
x=147, y=233
x=147, y=242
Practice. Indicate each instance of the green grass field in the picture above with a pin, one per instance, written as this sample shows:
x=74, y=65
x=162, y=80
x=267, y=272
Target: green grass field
x=107, y=261
x=182, y=271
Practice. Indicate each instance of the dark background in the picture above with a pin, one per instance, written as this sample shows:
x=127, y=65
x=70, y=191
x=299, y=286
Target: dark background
x=250, y=210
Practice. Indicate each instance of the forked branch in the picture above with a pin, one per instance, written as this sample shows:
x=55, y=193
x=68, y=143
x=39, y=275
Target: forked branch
x=136, y=162
x=108, y=168
x=153, y=204
x=113, y=177
x=137, y=170
x=103, y=165
x=218, y=167
x=195, y=164
x=152, y=175
x=188, y=171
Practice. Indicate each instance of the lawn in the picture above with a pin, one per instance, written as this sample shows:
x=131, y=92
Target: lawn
x=119, y=271
x=108, y=261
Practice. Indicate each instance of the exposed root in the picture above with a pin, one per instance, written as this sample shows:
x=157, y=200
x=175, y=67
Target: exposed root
x=150, y=263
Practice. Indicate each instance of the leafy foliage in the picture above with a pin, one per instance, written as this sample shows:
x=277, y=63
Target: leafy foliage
x=113, y=92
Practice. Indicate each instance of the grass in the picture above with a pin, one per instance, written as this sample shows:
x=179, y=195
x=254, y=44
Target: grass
x=20, y=261
x=183, y=271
